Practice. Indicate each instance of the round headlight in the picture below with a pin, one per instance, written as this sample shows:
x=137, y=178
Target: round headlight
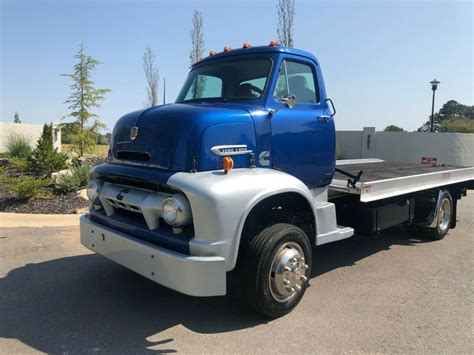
x=92, y=190
x=176, y=210
x=170, y=210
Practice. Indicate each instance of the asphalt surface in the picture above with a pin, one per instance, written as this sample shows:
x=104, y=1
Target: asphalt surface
x=393, y=293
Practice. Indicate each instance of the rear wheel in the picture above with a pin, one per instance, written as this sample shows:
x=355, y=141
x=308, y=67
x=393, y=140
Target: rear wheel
x=443, y=216
x=277, y=268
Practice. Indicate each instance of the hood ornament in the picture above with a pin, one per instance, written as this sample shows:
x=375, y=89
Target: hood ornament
x=133, y=133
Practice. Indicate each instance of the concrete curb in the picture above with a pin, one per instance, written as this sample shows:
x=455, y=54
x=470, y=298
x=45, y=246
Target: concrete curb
x=13, y=220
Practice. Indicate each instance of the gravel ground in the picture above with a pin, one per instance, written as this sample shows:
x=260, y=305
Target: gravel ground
x=395, y=293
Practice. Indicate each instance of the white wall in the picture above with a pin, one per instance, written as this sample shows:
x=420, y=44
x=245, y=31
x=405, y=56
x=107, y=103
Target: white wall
x=31, y=131
x=349, y=144
x=407, y=147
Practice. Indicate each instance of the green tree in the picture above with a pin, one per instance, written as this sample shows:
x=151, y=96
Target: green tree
x=393, y=128
x=16, y=118
x=452, y=117
x=83, y=98
x=68, y=130
x=45, y=159
x=453, y=109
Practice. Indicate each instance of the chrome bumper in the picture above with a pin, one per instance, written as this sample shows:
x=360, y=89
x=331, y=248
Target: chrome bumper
x=191, y=275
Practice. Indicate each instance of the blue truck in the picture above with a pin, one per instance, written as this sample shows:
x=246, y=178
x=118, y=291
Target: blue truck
x=240, y=174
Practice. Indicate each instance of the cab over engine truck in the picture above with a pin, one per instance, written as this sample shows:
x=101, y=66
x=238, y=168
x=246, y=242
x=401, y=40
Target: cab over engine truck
x=241, y=172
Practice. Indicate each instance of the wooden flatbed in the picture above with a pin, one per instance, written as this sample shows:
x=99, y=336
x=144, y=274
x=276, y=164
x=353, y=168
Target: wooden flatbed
x=380, y=179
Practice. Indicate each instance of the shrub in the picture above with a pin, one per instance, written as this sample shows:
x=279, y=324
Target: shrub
x=45, y=159
x=68, y=183
x=20, y=163
x=458, y=125
x=18, y=145
x=26, y=187
x=82, y=173
x=74, y=181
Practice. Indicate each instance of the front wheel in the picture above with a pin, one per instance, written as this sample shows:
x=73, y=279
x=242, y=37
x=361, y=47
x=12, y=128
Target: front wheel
x=277, y=268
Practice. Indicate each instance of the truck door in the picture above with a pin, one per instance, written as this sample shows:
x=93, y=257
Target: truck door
x=303, y=138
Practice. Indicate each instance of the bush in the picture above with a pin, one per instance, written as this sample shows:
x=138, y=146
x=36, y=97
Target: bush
x=82, y=173
x=26, y=187
x=20, y=163
x=68, y=183
x=18, y=145
x=457, y=125
x=74, y=181
x=45, y=159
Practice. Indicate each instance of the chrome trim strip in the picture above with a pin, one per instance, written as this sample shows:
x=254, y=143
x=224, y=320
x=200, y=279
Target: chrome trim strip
x=236, y=149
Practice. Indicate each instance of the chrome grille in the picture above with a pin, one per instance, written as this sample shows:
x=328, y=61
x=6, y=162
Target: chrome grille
x=146, y=202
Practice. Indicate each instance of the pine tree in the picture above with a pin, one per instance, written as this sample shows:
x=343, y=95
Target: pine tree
x=83, y=98
x=16, y=118
x=45, y=159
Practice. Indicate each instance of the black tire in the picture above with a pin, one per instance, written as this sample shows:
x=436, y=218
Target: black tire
x=443, y=216
x=268, y=249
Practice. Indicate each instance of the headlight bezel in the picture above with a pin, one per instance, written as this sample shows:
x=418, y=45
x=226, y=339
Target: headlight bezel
x=182, y=210
x=93, y=190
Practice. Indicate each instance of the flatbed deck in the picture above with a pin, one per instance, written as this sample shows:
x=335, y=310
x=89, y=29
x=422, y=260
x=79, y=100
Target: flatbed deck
x=382, y=179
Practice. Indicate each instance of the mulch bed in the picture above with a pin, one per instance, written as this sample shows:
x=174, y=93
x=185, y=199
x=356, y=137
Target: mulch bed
x=60, y=204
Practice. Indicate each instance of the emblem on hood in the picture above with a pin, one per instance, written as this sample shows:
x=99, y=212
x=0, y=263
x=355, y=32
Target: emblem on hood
x=236, y=149
x=133, y=133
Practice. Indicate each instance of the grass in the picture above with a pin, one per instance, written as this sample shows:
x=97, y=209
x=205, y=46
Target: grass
x=100, y=149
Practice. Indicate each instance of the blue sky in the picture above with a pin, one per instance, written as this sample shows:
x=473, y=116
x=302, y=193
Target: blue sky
x=377, y=56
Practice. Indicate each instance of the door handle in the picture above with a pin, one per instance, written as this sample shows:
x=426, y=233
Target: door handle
x=325, y=118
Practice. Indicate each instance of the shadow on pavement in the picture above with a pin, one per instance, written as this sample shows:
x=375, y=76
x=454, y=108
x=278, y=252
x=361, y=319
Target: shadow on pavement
x=87, y=303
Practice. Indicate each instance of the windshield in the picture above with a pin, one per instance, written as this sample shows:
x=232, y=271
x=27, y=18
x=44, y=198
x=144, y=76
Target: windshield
x=232, y=78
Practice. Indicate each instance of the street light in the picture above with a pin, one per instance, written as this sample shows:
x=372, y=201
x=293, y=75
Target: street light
x=434, y=86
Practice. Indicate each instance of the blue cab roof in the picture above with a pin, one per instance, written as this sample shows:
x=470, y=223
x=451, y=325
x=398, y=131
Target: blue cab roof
x=257, y=50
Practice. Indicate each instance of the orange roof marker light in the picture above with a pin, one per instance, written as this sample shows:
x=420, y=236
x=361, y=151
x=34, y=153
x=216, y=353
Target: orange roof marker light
x=227, y=164
x=227, y=49
x=212, y=52
x=246, y=45
x=274, y=44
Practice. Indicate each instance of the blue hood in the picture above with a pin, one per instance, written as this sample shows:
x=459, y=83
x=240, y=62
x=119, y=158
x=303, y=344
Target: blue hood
x=170, y=136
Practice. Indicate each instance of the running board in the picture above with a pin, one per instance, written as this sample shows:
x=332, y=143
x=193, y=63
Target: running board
x=339, y=234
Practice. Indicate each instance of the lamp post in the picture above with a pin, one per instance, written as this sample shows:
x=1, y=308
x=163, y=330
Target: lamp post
x=434, y=86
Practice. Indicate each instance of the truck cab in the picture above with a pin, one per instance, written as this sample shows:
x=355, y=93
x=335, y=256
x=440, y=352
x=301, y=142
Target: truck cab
x=233, y=176
x=228, y=100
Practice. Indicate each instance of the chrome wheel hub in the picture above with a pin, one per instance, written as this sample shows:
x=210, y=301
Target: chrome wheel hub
x=444, y=215
x=288, y=272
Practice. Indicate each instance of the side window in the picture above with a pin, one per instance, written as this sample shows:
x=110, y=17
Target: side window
x=296, y=79
x=281, y=88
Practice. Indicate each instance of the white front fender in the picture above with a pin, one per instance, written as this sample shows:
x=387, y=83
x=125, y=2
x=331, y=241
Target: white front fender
x=221, y=202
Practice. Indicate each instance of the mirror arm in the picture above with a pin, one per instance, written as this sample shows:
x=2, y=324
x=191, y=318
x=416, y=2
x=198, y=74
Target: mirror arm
x=286, y=103
x=332, y=104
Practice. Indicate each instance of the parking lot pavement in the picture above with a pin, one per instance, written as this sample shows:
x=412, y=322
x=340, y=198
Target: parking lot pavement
x=391, y=293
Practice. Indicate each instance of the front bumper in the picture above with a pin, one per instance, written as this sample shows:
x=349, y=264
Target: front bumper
x=191, y=275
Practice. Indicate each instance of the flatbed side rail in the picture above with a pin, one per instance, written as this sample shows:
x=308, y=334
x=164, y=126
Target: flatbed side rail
x=381, y=189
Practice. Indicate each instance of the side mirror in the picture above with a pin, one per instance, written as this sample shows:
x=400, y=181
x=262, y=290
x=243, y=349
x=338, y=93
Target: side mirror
x=289, y=102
